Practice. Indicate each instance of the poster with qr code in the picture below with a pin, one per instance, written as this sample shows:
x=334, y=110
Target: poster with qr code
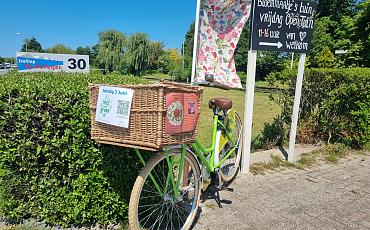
x=114, y=105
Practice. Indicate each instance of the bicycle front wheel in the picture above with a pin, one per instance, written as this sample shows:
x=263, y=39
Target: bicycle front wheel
x=229, y=168
x=155, y=204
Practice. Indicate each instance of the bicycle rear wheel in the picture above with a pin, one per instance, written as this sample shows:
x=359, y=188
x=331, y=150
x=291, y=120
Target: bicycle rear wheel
x=229, y=169
x=153, y=209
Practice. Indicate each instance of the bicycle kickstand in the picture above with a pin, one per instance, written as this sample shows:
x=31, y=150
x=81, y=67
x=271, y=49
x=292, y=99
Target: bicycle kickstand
x=218, y=185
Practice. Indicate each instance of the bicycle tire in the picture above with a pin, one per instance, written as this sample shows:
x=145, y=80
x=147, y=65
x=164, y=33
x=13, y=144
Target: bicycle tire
x=230, y=168
x=157, y=218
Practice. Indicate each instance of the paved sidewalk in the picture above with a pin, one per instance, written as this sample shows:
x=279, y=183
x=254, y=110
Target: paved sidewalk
x=328, y=196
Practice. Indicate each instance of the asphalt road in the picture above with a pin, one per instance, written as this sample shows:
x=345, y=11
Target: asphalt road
x=4, y=71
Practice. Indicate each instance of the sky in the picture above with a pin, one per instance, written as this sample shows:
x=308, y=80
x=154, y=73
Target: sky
x=77, y=23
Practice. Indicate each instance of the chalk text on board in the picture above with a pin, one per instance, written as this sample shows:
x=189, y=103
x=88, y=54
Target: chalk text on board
x=284, y=25
x=268, y=33
x=284, y=5
x=272, y=18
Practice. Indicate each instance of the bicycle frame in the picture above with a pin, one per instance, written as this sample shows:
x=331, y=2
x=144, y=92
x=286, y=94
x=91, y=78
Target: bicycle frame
x=201, y=152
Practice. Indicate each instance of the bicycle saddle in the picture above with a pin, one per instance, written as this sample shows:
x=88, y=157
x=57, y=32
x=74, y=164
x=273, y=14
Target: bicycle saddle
x=221, y=103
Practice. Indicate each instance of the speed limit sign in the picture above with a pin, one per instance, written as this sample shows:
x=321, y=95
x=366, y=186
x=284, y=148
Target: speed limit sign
x=47, y=62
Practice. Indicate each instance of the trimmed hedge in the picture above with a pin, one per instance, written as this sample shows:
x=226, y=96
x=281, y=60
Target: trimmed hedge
x=335, y=104
x=50, y=169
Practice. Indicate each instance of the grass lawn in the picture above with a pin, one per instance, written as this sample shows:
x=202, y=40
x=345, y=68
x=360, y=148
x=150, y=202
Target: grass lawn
x=159, y=76
x=264, y=110
x=265, y=84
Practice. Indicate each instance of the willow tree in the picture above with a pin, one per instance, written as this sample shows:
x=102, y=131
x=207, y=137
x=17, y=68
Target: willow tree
x=138, y=52
x=111, y=50
x=60, y=49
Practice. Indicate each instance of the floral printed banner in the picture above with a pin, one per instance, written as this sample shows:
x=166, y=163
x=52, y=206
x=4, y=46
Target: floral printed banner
x=220, y=26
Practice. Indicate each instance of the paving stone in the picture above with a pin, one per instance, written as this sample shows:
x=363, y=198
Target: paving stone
x=328, y=196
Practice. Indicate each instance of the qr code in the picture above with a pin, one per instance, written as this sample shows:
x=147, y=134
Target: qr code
x=122, y=107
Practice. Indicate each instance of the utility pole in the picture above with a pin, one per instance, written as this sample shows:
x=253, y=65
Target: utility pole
x=24, y=42
x=183, y=56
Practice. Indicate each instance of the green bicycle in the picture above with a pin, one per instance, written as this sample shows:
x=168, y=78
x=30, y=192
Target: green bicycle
x=167, y=191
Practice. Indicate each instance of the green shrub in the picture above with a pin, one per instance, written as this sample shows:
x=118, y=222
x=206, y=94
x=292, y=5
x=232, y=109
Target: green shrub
x=335, y=102
x=50, y=169
x=243, y=77
x=273, y=134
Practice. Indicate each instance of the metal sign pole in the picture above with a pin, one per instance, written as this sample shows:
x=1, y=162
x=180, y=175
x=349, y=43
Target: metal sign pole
x=195, y=45
x=248, y=110
x=297, y=100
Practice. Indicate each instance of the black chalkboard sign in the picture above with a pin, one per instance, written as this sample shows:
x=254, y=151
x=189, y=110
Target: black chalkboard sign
x=283, y=25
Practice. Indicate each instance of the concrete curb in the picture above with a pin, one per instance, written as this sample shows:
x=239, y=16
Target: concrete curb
x=265, y=156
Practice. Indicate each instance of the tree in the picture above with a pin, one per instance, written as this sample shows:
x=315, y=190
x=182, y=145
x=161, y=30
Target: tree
x=362, y=32
x=242, y=48
x=83, y=50
x=322, y=37
x=336, y=9
x=94, y=55
x=189, y=40
x=188, y=47
x=170, y=63
x=31, y=45
x=268, y=62
x=344, y=32
x=137, y=55
x=174, y=60
x=111, y=50
x=60, y=49
x=325, y=59
x=155, y=52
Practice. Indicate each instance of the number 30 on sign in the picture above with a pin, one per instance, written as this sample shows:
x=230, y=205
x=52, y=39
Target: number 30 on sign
x=46, y=62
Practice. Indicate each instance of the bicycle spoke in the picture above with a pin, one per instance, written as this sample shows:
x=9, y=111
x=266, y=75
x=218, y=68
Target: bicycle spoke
x=145, y=197
x=171, y=216
x=167, y=218
x=180, y=212
x=153, y=225
x=154, y=206
x=162, y=218
x=148, y=217
x=157, y=193
x=160, y=183
x=156, y=210
x=147, y=205
x=178, y=217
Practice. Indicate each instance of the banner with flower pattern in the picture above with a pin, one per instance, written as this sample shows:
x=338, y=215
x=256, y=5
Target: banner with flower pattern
x=220, y=26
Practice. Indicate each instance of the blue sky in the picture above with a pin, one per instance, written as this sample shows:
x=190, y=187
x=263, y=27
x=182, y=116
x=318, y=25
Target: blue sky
x=77, y=23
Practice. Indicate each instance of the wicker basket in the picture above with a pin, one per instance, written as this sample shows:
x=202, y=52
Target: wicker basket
x=147, y=119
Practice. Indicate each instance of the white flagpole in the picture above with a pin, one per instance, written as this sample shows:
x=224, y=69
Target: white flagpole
x=195, y=46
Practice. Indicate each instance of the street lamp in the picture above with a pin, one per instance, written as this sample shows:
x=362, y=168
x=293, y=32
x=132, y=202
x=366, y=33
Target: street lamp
x=24, y=42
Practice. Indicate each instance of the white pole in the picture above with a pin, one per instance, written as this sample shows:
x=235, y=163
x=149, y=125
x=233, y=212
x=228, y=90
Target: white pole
x=248, y=110
x=297, y=100
x=195, y=46
x=291, y=62
x=183, y=55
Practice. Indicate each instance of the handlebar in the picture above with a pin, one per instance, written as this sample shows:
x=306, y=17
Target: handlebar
x=209, y=81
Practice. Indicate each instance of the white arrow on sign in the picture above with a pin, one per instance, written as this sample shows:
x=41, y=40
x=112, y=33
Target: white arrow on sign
x=278, y=44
